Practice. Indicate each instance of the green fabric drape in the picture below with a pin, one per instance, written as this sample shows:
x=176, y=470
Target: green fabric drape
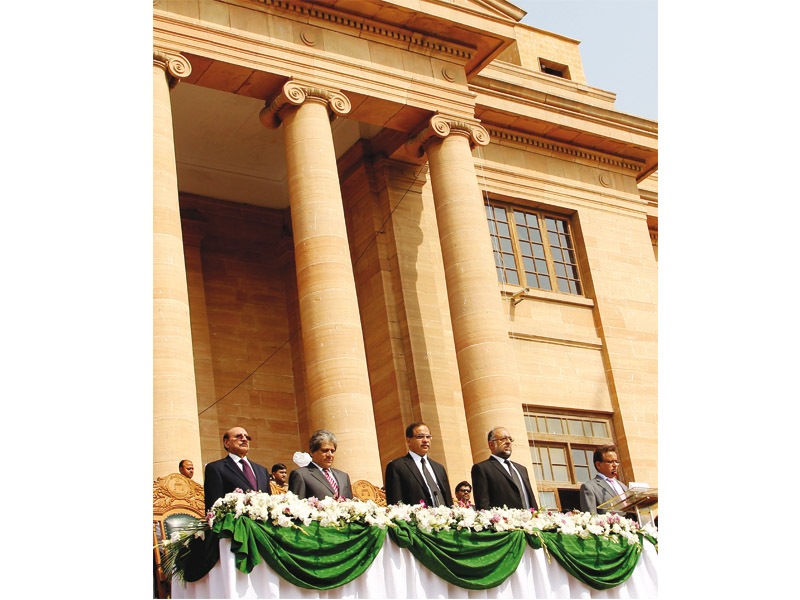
x=475, y=560
x=312, y=557
x=600, y=564
x=324, y=557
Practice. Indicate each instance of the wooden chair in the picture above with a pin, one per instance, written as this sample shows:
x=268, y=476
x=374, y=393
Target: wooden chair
x=364, y=490
x=177, y=503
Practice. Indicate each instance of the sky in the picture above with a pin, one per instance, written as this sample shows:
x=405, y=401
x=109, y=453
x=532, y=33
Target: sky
x=619, y=45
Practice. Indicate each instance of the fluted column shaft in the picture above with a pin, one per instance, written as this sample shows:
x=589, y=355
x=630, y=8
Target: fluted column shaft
x=480, y=329
x=176, y=434
x=337, y=381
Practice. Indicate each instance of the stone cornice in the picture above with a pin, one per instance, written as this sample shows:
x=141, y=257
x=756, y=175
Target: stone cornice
x=504, y=135
x=441, y=126
x=174, y=64
x=319, y=15
x=294, y=93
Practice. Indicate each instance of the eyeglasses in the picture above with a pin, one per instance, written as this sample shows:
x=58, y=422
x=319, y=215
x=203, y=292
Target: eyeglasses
x=423, y=437
x=611, y=462
x=503, y=439
x=462, y=491
x=241, y=436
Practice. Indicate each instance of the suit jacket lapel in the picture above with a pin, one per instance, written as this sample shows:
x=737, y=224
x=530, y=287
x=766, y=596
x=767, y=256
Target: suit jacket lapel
x=319, y=476
x=233, y=467
x=607, y=487
x=411, y=465
x=497, y=465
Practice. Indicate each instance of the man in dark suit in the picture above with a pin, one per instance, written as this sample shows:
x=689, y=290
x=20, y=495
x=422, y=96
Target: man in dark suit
x=498, y=481
x=605, y=484
x=414, y=477
x=234, y=471
x=319, y=479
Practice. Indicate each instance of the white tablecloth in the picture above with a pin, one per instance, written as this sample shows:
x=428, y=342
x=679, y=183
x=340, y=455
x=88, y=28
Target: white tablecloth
x=395, y=573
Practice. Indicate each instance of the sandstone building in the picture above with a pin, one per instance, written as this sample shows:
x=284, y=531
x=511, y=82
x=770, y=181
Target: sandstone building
x=372, y=212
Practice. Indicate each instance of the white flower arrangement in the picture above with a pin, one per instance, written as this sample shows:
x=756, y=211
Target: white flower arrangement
x=288, y=510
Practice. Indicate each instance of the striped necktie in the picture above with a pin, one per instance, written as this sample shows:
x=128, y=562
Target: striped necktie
x=332, y=481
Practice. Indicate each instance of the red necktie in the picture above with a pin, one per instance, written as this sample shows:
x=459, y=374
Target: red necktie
x=248, y=473
x=332, y=481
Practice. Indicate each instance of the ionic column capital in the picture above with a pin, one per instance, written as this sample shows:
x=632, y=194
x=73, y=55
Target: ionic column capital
x=441, y=126
x=294, y=93
x=175, y=65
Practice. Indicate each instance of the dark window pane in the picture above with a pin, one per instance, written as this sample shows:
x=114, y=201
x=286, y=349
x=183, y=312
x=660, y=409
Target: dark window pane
x=563, y=285
x=578, y=456
x=548, y=500
x=574, y=287
x=512, y=277
x=561, y=226
x=554, y=425
x=530, y=424
x=572, y=272
x=547, y=473
x=528, y=264
x=538, y=251
x=582, y=474
x=569, y=256
x=560, y=473
x=599, y=429
x=525, y=248
x=564, y=241
x=558, y=456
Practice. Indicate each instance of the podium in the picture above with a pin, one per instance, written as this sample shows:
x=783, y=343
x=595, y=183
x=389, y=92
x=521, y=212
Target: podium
x=634, y=500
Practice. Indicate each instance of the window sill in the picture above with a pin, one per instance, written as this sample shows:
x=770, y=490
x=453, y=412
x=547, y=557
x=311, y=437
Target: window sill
x=509, y=290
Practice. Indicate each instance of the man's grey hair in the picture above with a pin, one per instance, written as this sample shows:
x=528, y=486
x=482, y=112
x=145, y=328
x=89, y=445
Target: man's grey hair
x=318, y=437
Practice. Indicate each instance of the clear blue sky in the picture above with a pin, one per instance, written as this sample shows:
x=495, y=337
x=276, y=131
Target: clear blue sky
x=619, y=45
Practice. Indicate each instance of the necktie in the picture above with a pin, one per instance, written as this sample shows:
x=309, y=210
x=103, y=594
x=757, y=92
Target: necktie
x=332, y=481
x=248, y=473
x=517, y=482
x=435, y=491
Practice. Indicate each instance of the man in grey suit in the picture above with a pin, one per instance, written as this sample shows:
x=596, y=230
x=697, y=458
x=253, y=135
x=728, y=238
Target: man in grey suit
x=234, y=471
x=605, y=485
x=319, y=479
x=499, y=482
x=415, y=477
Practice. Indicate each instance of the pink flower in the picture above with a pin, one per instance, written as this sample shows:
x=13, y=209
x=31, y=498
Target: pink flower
x=238, y=491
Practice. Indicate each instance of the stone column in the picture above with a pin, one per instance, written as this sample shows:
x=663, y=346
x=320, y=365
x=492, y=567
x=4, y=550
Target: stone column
x=176, y=434
x=480, y=329
x=337, y=381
